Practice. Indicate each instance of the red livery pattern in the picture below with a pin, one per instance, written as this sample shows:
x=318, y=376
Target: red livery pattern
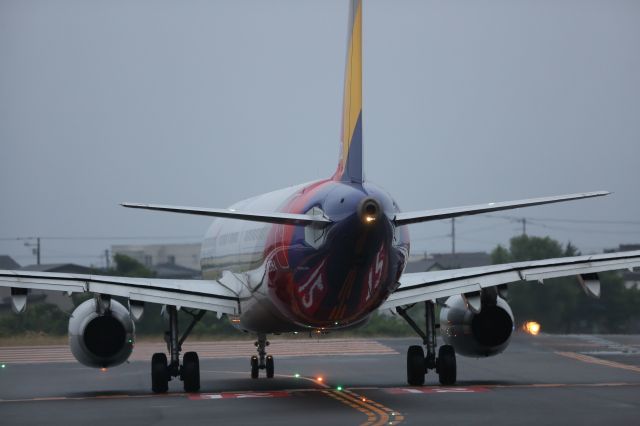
x=344, y=275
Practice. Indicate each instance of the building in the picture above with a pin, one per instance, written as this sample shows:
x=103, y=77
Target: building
x=185, y=255
x=58, y=298
x=173, y=271
x=6, y=262
x=440, y=261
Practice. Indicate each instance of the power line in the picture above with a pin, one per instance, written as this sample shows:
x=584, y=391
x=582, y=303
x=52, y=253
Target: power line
x=583, y=230
x=547, y=219
x=97, y=238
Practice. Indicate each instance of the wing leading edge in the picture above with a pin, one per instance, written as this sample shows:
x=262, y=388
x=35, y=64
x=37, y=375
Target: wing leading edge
x=448, y=213
x=271, y=217
x=422, y=286
x=222, y=296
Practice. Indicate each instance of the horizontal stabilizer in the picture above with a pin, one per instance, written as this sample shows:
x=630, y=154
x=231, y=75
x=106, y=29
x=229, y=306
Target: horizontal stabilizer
x=448, y=213
x=275, y=217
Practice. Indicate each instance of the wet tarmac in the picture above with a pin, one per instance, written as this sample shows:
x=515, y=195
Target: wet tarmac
x=546, y=379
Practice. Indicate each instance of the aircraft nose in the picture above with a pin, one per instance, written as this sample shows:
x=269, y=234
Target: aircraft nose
x=369, y=211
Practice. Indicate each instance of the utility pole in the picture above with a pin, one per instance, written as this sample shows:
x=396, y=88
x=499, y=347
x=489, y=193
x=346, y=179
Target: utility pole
x=37, y=248
x=106, y=258
x=453, y=235
x=524, y=226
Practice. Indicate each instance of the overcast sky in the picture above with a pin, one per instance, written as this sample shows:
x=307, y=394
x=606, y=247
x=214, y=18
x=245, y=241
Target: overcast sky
x=207, y=102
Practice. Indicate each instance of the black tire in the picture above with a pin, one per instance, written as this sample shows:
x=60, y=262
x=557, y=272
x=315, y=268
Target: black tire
x=191, y=372
x=447, y=365
x=269, y=366
x=415, y=366
x=159, y=373
x=254, y=367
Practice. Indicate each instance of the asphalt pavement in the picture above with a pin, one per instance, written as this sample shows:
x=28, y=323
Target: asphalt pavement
x=539, y=380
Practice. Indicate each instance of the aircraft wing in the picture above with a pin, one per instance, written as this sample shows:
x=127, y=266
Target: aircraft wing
x=222, y=296
x=423, y=286
x=448, y=213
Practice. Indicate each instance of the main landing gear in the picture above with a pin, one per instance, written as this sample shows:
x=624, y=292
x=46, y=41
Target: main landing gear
x=262, y=361
x=417, y=363
x=189, y=372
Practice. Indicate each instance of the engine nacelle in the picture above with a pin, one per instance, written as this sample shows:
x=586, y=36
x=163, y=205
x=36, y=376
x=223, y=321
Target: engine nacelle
x=101, y=337
x=486, y=333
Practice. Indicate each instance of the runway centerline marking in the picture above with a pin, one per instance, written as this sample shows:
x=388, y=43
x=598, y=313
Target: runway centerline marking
x=377, y=414
x=598, y=361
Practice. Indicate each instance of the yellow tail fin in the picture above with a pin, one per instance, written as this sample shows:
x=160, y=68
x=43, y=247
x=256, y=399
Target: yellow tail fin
x=350, y=165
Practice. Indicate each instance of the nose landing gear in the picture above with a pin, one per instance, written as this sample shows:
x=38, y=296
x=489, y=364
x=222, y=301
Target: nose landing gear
x=262, y=361
x=417, y=363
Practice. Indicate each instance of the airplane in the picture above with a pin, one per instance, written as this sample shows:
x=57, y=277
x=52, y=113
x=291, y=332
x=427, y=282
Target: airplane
x=318, y=256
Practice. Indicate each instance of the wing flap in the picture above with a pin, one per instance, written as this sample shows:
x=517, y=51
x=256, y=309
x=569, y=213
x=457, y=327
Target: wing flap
x=422, y=286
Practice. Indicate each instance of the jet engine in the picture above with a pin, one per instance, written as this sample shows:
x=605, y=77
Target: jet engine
x=101, y=333
x=476, y=333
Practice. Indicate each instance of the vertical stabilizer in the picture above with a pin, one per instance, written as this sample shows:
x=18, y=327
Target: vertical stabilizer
x=350, y=166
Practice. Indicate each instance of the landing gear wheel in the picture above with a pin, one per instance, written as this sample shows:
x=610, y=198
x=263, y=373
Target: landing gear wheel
x=159, y=373
x=415, y=366
x=446, y=365
x=191, y=372
x=269, y=366
x=254, y=367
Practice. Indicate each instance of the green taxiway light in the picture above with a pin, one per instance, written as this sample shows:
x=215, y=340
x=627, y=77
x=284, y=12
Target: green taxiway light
x=339, y=388
x=3, y=365
x=296, y=375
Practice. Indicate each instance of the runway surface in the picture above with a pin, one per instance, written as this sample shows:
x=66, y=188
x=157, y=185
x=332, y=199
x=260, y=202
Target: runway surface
x=538, y=380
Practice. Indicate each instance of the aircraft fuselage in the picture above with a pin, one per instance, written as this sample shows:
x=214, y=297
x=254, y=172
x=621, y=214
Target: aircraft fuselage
x=311, y=277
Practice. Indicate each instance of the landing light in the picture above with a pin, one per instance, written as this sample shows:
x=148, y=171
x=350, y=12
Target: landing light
x=320, y=379
x=369, y=219
x=532, y=328
x=103, y=369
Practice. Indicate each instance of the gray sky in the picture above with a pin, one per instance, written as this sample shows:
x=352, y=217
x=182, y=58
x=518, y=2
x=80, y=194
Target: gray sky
x=207, y=102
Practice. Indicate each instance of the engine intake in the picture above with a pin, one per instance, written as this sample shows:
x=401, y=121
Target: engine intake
x=485, y=333
x=99, y=338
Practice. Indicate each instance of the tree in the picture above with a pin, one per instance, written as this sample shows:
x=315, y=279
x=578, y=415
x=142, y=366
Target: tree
x=559, y=304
